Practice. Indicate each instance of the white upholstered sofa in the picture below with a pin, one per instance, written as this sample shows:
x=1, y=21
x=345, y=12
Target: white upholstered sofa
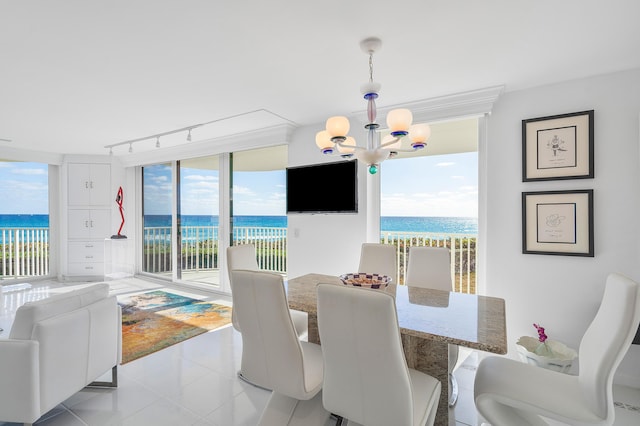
x=56, y=347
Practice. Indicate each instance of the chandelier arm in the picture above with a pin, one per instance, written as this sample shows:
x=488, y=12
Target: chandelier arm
x=405, y=150
x=391, y=142
x=343, y=145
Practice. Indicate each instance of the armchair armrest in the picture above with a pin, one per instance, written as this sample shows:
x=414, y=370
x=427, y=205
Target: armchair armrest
x=19, y=388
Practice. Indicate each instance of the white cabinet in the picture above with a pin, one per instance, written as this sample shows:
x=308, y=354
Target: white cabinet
x=89, y=184
x=89, y=223
x=89, y=205
x=86, y=258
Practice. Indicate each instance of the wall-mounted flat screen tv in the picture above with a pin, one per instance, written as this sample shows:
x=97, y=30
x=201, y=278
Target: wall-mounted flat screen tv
x=323, y=188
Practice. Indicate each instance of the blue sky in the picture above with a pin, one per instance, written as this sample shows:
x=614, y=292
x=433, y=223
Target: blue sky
x=422, y=186
x=24, y=188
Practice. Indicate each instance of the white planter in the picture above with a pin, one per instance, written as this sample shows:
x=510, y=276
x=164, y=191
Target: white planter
x=561, y=358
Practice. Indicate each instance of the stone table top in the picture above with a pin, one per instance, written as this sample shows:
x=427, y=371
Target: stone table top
x=473, y=321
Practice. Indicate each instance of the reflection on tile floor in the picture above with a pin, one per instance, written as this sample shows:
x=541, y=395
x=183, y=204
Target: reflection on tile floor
x=195, y=382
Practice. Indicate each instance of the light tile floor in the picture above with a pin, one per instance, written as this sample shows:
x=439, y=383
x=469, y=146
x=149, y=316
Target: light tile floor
x=195, y=382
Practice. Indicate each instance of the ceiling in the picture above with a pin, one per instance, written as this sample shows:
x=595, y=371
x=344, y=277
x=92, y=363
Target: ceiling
x=77, y=75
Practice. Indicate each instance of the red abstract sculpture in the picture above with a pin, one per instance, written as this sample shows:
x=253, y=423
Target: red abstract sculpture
x=119, y=201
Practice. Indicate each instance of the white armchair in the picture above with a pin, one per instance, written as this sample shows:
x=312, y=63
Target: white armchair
x=273, y=356
x=508, y=392
x=56, y=347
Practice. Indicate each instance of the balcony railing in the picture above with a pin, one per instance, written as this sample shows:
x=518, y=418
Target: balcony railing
x=199, y=247
x=24, y=251
x=462, y=248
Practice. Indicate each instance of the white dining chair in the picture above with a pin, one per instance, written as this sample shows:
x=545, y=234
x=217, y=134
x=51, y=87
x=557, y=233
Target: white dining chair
x=273, y=356
x=508, y=392
x=430, y=267
x=366, y=378
x=243, y=256
x=378, y=259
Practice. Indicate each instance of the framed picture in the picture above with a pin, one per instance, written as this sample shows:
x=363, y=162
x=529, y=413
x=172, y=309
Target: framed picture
x=558, y=222
x=558, y=147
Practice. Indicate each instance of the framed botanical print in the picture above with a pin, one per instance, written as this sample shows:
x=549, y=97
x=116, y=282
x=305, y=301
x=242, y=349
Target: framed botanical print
x=558, y=222
x=558, y=147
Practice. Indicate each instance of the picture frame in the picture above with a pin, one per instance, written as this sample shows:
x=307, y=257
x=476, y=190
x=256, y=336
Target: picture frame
x=558, y=223
x=558, y=147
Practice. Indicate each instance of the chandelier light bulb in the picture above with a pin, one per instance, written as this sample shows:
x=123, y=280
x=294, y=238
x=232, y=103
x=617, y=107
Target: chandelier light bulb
x=419, y=134
x=189, y=136
x=399, y=121
x=337, y=126
x=323, y=141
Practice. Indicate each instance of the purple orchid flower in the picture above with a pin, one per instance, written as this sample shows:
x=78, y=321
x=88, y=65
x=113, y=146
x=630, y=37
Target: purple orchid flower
x=542, y=337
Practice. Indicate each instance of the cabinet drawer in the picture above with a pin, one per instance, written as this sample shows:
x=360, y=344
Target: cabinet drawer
x=86, y=268
x=86, y=251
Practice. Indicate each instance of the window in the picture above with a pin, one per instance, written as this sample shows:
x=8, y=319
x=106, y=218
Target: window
x=24, y=219
x=432, y=199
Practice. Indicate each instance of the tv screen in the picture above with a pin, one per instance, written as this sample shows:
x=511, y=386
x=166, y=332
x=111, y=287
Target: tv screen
x=323, y=188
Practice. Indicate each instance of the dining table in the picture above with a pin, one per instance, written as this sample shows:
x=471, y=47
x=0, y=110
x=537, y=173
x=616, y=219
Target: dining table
x=429, y=321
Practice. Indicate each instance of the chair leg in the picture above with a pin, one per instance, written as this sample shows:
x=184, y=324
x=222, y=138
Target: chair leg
x=112, y=384
x=453, y=398
x=244, y=379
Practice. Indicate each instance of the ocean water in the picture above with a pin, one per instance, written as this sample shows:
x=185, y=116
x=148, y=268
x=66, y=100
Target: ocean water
x=447, y=225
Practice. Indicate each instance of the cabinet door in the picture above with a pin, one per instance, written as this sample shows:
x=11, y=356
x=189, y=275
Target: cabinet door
x=89, y=184
x=79, y=222
x=100, y=184
x=100, y=223
x=79, y=184
x=89, y=224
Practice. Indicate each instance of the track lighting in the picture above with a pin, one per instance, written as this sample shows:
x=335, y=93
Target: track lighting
x=187, y=129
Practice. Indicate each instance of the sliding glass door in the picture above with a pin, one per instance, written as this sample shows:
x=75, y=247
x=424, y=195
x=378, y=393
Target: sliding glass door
x=198, y=225
x=193, y=209
x=157, y=219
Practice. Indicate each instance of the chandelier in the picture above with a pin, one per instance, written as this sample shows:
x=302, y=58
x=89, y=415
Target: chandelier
x=334, y=140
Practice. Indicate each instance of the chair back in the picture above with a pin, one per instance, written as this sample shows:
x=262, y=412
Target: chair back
x=271, y=353
x=378, y=259
x=240, y=257
x=366, y=378
x=429, y=267
x=607, y=340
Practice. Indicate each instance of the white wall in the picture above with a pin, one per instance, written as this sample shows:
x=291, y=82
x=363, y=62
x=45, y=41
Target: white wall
x=561, y=292
x=323, y=243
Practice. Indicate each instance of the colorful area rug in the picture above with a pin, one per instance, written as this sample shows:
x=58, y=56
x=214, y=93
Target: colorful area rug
x=157, y=319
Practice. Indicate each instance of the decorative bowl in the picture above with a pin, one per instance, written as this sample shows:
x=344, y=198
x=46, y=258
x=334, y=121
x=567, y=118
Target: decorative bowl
x=561, y=358
x=361, y=279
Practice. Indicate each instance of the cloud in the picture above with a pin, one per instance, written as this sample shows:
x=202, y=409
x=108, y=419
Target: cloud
x=242, y=190
x=444, y=203
x=445, y=164
x=201, y=178
x=30, y=172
